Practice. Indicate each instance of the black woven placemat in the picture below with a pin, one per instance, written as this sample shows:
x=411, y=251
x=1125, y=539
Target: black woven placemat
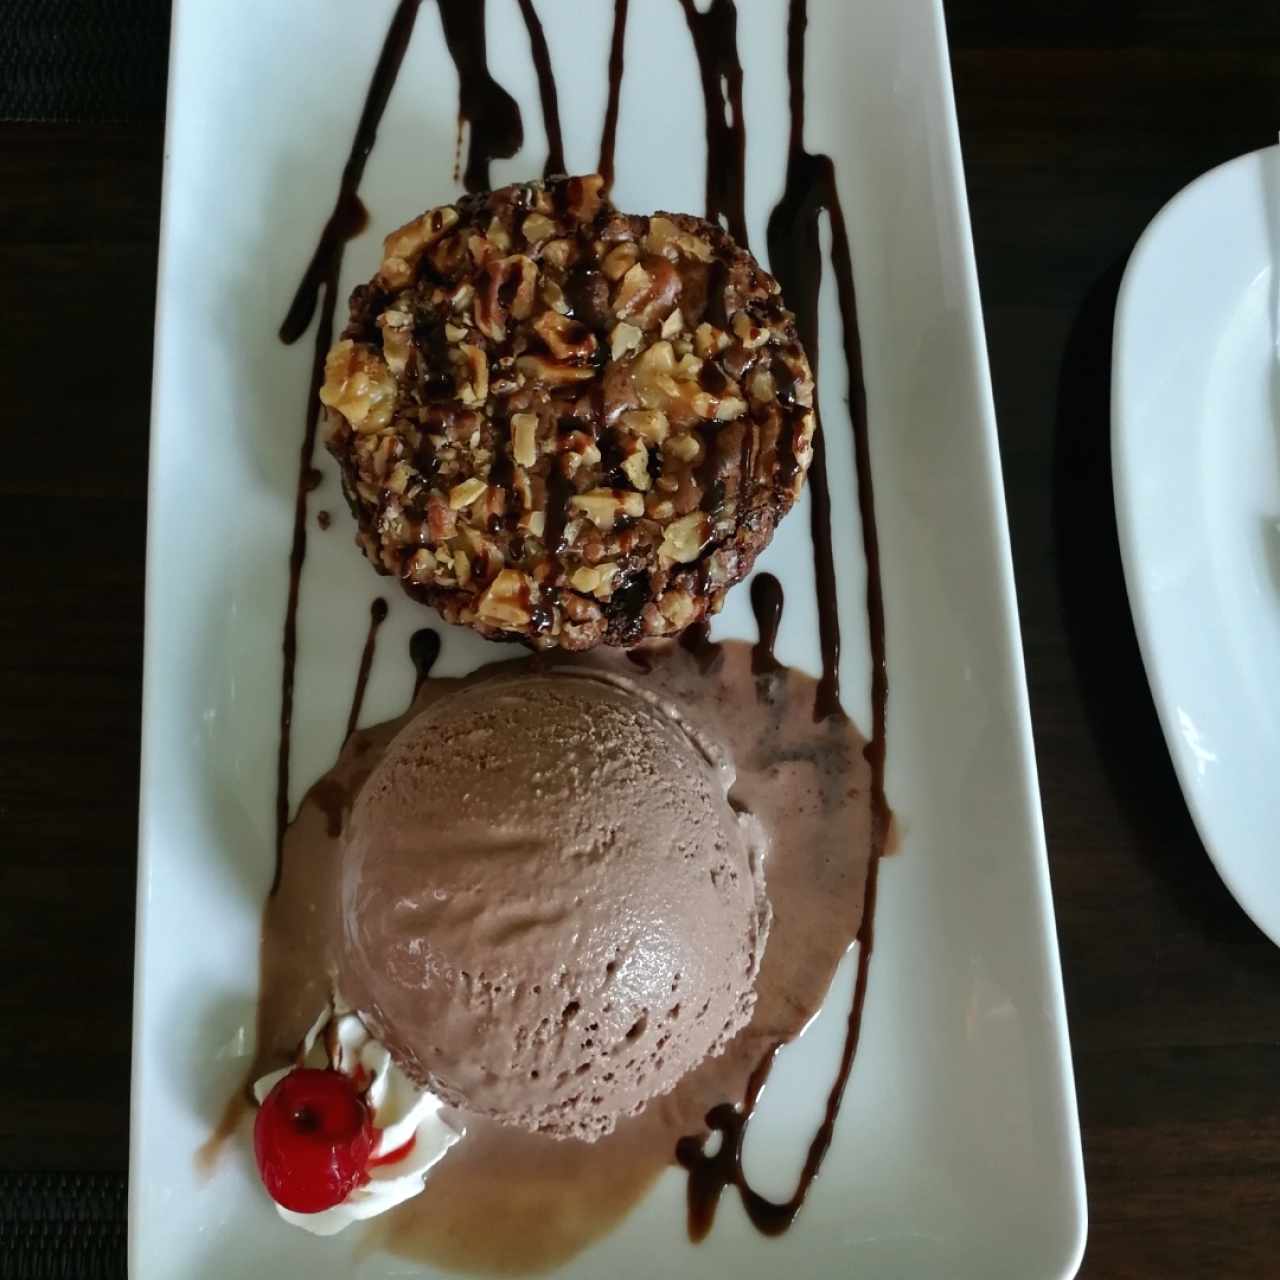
x=75, y=60
x=83, y=59
x=63, y=1226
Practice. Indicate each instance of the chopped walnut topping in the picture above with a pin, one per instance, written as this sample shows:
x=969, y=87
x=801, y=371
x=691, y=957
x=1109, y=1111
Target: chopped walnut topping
x=636, y=467
x=524, y=438
x=537, y=228
x=652, y=424
x=508, y=294
x=603, y=506
x=403, y=248
x=421, y=566
x=498, y=236
x=634, y=291
x=683, y=448
x=566, y=339
x=724, y=409
x=686, y=537
x=709, y=341
x=473, y=375
x=648, y=292
x=506, y=602
x=397, y=339
x=664, y=237
x=678, y=609
x=566, y=424
x=619, y=260
x=462, y=567
x=750, y=334
x=464, y=494
x=625, y=337
x=557, y=253
x=553, y=372
x=401, y=474
x=359, y=385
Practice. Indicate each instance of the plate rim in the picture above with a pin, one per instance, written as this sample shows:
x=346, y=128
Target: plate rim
x=975, y=325
x=150, y=679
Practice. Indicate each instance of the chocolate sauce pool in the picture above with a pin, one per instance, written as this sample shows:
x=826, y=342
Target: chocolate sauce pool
x=615, y=1172
x=505, y=1200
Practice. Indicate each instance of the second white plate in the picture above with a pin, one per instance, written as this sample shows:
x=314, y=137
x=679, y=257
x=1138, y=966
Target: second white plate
x=1196, y=425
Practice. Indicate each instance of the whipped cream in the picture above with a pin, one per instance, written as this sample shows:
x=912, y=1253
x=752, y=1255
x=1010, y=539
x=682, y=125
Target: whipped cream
x=409, y=1120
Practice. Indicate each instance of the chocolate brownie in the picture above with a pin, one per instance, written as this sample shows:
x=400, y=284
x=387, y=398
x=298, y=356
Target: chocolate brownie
x=564, y=424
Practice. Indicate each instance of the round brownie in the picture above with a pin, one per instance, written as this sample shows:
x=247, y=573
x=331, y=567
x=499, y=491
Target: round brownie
x=564, y=424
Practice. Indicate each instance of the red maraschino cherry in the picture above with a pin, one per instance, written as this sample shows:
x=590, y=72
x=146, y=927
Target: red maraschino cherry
x=312, y=1139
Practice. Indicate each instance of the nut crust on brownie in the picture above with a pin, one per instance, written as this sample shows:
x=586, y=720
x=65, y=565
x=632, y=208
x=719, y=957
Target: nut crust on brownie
x=563, y=424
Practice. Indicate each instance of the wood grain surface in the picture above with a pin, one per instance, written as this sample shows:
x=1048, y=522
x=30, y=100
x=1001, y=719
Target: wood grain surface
x=1079, y=121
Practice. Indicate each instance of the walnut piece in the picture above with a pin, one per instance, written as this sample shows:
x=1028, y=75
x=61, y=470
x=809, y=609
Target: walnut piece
x=359, y=385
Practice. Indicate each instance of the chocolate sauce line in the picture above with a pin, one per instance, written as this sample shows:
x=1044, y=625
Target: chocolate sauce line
x=424, y=649
x=492, y=113
x=377, y=616
x=348, y=216
x=715, y=43
x=795, y=256
x=546, y=89
x=322, y=273
x=709, y=1175
x=696, y=640
x=766, y=603
x=617, y=48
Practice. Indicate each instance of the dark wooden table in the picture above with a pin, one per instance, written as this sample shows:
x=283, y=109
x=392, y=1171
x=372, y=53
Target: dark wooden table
x=1080, y=118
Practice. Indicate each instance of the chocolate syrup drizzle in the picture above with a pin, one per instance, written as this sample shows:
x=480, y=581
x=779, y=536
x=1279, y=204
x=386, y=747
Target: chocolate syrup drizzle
x=696, y=639
x=496, y=129
x=608, y=136
x=795, y=255
x=347, y=220
x=715, y=42
x=546, y=89
x=377, y=616
x=424, y=649
x=766, y=604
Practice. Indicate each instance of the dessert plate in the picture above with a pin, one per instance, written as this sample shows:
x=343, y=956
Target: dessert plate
x=957, y=1151
x=1196, y=427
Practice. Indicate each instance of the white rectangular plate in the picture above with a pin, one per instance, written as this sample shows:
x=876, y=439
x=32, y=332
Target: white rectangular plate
x=957, y=1152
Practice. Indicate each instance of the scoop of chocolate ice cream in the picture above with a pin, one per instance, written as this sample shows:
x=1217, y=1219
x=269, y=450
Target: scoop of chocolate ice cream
x=552, y=911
